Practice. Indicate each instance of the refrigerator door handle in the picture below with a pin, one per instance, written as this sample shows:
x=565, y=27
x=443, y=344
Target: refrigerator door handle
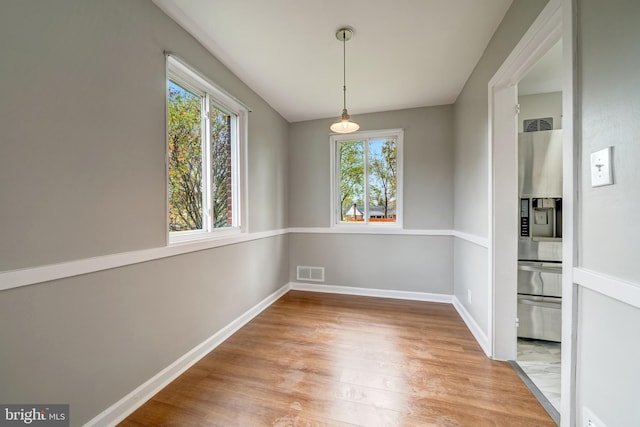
x=554, y=270
x=538, y=303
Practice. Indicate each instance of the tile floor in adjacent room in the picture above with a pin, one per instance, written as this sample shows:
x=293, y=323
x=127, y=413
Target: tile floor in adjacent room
x=540, y=360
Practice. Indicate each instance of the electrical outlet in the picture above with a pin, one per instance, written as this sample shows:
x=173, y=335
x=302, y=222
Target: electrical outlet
x=469, y=296
x=590, y=420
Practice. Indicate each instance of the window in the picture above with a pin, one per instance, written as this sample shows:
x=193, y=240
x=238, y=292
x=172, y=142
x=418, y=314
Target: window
x=367, y=178
x=205, y=133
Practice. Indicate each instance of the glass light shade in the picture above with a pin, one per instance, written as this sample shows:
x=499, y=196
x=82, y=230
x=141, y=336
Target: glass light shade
x=345, y=125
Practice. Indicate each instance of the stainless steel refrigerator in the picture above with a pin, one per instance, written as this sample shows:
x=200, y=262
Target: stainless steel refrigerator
x=540, y=235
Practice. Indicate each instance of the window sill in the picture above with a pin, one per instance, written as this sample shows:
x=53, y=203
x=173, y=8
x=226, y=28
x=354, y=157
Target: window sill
x=368, y=226
x=191, y=237
x=367, y=229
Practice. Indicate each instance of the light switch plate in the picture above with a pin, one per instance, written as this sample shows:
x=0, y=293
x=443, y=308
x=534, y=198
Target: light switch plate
x=601, y=168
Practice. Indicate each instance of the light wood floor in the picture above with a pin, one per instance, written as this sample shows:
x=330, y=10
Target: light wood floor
x=319, y=359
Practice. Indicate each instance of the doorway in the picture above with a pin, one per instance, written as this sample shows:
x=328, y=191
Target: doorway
x=540, y=196
x=547, y=30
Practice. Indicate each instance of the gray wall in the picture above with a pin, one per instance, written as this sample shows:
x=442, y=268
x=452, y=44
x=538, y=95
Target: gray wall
x=82, y=123
x=608, y=60
x=608, y=63
x=608, y=354
x=470, y=275
x=399, y=263
x=411, y=263
x=428, y=167
x=471, y=161
x=471, y=119
x=539, y=106
x=82, y=148
x=82, y=166
x=90, y=340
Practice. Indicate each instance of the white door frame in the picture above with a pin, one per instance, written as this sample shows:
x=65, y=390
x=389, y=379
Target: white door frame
x=554, y=22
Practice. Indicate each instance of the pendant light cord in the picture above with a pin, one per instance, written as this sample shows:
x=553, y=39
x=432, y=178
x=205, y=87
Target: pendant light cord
x=344, y=69
x=344, y=123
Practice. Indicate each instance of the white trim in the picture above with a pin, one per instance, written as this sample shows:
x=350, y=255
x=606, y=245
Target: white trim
x=545, y=31
x=369, y=292
x=472, y=238
x=612, y=287
x=556, y=20
x=243, y=172
x=184, y=75
x=369, y=230
x=571, y=106
x=190, y=73
x=45, y=273
x=334, y=139
x=503, y=252
x=132, y=401
x=189, y=236
x=473, y=326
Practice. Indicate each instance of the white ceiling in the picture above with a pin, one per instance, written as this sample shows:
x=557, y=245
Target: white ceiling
x=404, y=54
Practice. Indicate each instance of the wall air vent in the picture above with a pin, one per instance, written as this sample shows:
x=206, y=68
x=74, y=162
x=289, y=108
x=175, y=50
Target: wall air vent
x=314, y=274
x=535, y=125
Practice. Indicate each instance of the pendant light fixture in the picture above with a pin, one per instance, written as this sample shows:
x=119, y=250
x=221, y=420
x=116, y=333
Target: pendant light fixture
x=344, y=125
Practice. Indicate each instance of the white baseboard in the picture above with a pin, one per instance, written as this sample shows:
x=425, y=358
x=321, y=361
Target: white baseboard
x=369, y=292
x=132, y=401
x=473, y=326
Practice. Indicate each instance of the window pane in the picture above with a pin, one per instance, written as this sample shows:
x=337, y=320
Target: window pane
x=351, y=161
x=185, y=158
x=221, y=176
x=382, y=180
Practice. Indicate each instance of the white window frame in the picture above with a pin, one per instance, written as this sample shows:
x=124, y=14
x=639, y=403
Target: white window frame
x=182, y=74
x=334, y=140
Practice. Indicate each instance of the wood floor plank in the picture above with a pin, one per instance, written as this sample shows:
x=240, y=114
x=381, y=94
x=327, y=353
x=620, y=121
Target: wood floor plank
x=315, y=359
